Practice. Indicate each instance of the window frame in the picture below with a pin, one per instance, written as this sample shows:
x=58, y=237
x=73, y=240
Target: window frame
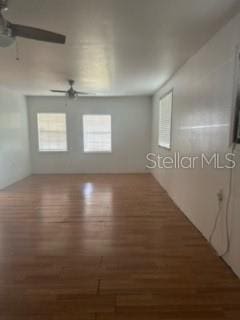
x=171, y=121
x=52, y=151
x=97, y=152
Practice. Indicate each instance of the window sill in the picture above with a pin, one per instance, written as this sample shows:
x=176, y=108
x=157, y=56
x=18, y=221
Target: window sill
x=97, y=152
x=164, y=147
x=48, y=151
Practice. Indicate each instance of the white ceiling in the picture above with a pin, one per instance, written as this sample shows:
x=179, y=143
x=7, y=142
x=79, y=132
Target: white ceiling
x=114, y=47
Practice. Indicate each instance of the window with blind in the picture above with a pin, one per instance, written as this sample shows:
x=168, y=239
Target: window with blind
x=165, y=121
x=97, y=135
x=52, y=133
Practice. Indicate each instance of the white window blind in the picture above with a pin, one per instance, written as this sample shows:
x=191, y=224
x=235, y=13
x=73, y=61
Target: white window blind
x=52, y=132
x=165, y=121
x=97, y=134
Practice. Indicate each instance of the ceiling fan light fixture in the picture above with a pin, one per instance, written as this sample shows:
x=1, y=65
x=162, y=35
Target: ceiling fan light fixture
x=6, y=39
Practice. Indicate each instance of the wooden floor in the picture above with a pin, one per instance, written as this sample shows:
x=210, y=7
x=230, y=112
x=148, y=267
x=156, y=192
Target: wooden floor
x=106, y=247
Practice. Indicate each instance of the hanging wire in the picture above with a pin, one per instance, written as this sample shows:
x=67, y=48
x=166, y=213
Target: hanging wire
x=215, y=222
x=66, y=101
x=17, y=51
x=227, y=213
x=228, y=235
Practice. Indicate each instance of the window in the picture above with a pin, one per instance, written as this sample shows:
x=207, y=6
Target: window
x=165, y=121
x=97, y=133
x=52, y=132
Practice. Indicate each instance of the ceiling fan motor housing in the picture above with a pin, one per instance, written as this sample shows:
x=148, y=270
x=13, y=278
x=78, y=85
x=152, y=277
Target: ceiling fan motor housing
x=71, y=94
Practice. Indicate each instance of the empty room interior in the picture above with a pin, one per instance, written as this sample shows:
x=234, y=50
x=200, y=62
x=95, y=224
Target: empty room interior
x=120, y=160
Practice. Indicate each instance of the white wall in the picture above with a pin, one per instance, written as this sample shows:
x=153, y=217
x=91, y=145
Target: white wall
x=131, y=135
x=14, y=140
x=203, y=96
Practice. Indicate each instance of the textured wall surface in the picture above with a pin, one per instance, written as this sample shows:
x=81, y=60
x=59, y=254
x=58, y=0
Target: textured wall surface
x=202, y=111
x=14, y=140
x=131, y=135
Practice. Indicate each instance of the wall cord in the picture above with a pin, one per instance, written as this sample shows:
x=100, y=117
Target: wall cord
x=229, y=197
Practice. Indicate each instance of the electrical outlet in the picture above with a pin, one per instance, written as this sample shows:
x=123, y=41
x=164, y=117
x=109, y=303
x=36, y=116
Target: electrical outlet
x=220, y=195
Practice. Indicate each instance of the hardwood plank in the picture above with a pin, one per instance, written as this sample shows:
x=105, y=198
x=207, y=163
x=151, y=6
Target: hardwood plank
x=106, y=247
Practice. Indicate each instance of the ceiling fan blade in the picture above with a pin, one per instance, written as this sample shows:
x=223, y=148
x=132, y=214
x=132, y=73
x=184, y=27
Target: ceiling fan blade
x=83, y=93
x=36, y=34
x=59, y=91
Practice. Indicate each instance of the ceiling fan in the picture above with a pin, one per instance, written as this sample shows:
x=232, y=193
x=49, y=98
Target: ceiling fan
x=9, y=31
x=71, y=93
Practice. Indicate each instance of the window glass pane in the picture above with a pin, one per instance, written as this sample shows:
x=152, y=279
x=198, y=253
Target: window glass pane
x=97, y=133
x=165, y=121
x=52, y=132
